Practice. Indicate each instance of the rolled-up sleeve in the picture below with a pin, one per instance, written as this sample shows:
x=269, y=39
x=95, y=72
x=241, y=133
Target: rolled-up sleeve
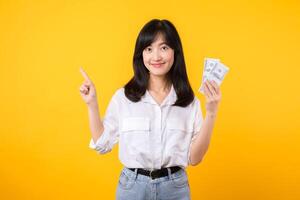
x=110, y=135
x=198, y=120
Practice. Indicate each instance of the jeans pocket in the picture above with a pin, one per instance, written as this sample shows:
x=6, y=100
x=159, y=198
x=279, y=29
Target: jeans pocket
x=125, y=182
x=180, y=181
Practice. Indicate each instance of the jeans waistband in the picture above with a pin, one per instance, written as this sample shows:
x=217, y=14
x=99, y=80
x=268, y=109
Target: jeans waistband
x=153, y=174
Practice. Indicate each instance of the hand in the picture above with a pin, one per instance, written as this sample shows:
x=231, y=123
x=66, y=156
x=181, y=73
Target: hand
x=213, y=96
x=88, y=90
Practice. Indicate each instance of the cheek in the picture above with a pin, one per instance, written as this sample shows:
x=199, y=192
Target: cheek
x=145, y=59
x=170, y=57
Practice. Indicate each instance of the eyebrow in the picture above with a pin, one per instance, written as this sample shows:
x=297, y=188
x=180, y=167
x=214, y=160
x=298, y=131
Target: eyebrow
x=161, y=43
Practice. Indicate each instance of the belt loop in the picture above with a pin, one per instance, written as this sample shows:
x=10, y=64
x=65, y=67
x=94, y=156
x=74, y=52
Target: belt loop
x=169, y=173
x=135, y=173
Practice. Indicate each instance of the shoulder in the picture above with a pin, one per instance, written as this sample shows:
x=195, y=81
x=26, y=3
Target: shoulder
x=119, y=94
x=119, y=91
x=196, y=102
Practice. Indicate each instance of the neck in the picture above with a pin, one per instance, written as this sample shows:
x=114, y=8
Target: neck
x=158, y=84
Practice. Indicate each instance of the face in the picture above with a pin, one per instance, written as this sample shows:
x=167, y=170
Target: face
x=158, y=57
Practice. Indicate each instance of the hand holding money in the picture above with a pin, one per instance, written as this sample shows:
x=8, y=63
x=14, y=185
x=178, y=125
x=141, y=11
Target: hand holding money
x=213, y=75
x=213, y=70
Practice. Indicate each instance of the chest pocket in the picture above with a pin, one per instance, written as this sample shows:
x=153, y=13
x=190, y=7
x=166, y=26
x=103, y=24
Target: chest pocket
x=174, y=125
x=135, y=124
x=135, y=132
x=179, y=133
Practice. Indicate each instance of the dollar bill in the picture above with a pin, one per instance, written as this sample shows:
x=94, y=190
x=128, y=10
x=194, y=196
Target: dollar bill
x=213, y=70
x=209, y=65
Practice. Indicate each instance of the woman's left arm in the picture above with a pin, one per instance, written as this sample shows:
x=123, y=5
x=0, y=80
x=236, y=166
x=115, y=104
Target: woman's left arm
x=200, y=144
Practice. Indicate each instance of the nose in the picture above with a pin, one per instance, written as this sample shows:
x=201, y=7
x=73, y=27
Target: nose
x=156, y=55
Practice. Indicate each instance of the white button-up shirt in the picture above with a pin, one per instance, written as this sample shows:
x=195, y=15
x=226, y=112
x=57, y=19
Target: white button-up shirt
x=150, y=136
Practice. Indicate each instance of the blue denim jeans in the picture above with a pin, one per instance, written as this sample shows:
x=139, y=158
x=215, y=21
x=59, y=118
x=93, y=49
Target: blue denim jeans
x=133, y=186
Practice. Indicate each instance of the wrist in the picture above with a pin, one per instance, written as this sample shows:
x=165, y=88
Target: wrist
x=92, y=105
x=211, y=114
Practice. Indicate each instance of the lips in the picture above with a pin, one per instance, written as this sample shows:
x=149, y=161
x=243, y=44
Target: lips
x=157, y=64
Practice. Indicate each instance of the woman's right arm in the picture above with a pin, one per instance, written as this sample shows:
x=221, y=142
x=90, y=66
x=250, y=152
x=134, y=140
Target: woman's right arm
x=88, y=94
x=96, y=124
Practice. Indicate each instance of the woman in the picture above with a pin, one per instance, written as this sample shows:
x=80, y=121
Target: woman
x=155, y=118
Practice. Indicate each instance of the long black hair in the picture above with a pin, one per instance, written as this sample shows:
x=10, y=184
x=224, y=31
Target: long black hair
x=177, y=75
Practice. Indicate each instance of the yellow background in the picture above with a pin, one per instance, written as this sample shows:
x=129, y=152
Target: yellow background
x=44, y=135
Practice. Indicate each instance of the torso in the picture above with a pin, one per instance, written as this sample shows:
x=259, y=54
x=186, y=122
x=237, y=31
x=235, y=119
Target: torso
x=152, y=136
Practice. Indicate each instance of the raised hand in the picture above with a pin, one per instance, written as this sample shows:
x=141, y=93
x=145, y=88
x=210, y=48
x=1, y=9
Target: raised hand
x=88, y=90
x=213, y=96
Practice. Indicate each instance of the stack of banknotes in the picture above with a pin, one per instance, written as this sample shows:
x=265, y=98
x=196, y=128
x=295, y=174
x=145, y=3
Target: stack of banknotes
x=213, y=70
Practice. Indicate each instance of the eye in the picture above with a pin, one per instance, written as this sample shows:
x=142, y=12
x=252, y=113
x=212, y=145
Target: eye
x=148, y=49
x=165, y=47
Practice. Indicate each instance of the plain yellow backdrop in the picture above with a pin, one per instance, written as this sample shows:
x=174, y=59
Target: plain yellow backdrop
x=44, y=133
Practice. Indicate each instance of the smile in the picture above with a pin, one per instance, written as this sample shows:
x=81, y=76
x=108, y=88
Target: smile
x=157, y=64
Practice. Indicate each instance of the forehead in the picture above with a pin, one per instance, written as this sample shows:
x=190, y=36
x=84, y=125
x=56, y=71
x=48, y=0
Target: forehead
x=159, y=39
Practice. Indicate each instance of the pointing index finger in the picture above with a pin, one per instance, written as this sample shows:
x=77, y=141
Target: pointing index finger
x=84, y=74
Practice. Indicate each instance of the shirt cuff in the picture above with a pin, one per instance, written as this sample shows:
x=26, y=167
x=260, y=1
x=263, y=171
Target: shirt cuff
x=189, y=153
x=92, y=144
x=100, y=148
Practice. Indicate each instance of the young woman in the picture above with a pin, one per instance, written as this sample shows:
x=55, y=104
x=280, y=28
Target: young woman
x=155, y=118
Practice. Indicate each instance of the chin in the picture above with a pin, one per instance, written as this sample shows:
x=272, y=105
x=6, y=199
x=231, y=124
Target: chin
x=158, y=74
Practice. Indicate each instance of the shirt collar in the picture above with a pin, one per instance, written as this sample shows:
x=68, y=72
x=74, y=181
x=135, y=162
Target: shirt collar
x=169, y=99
